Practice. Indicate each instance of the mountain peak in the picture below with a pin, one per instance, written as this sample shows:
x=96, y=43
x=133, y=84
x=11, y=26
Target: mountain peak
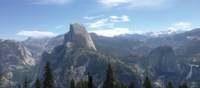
x=77, y=28
x=78, y=37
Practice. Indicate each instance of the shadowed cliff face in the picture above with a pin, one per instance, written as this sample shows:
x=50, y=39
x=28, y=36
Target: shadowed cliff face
x=163, y=60
x=78, y=37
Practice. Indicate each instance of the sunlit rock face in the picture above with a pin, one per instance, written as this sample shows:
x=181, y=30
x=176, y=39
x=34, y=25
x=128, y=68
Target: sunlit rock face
x=78, y=37
x=77, y=56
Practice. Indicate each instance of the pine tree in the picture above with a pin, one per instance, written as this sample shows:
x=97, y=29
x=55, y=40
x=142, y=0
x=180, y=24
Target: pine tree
x=25, y=84
x=90, y=81
x=109, y=82
x=82, y=84
x=169, y=85
x=132, y=85
x=184, y=85
x=72, y=84
x=18, y=86
x=1, y=80
x=198, y=85
x=37, y=83
x=48, y=77
x=147, y=83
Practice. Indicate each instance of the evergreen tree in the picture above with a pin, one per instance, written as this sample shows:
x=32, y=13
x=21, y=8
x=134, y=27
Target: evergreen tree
x=120, y=85
x=48, y=77
x=132, y=85
x=169, y=85
x=37, y=83
x=72, y=84
x=82, y=84
x=147, y=83
x=198, y=85
x=184, y=85
x=90, y=81
x=0, y=80
x=18, y=86
x=25, y=84
x=109, y=82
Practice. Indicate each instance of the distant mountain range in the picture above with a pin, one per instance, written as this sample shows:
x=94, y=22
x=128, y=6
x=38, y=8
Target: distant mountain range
x=167, y=57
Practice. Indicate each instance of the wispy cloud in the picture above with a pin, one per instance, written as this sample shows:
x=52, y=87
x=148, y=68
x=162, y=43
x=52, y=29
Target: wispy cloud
x=92, y=17
x=107, y=22
x=100, y=23
x=180, y=26
x=112, y=32
x=36, y=34
x=133, y=3
x=51, y=2
x=123, y=18
x=106, y=25
x=60, y=26
x=113, y=3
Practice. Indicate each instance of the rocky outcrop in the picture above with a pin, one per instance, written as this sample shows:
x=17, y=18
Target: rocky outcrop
x=15, y=62
x=163, y=60
x=36, y=46
x=78, y=37
x=81, y=57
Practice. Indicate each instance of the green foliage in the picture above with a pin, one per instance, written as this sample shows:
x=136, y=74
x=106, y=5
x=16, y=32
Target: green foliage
x=82, y=84
x=120, y=85
x=132, y=85
x=18, y=86
x=147, y=83
x=90, y=81
x=25, y=84
x=48, y=77
x=1, y=76
x=169, y=85
x=72, y=84
x=184, y=85
x=37, y=83
x=109, y=82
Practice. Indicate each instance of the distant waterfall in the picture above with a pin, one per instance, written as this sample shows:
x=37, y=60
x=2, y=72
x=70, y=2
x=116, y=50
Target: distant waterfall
x=191, y=70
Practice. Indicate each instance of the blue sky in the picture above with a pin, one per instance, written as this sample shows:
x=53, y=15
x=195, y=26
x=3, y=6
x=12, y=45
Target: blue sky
x=20, y=19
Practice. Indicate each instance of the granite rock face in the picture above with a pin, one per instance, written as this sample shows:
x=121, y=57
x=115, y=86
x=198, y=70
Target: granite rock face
x=77, y=56
x=16, y=61
x=163, y=60
x=78, y=37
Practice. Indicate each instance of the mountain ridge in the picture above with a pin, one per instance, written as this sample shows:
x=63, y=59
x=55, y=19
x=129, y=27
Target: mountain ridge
x=77, y=52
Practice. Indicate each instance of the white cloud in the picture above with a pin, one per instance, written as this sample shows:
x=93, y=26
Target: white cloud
x=113, y=3
x=107, y=22
x=180, y=27
x=112, y=32
x=123, y=18
x=92, y=17
x=36, y=34
x=133, y=3
x=98, y=23
x=51, y=2
x=106, y=26
x=60, y=26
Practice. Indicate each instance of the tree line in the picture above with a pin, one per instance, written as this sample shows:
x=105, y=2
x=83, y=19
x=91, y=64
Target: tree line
x=109, y=82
